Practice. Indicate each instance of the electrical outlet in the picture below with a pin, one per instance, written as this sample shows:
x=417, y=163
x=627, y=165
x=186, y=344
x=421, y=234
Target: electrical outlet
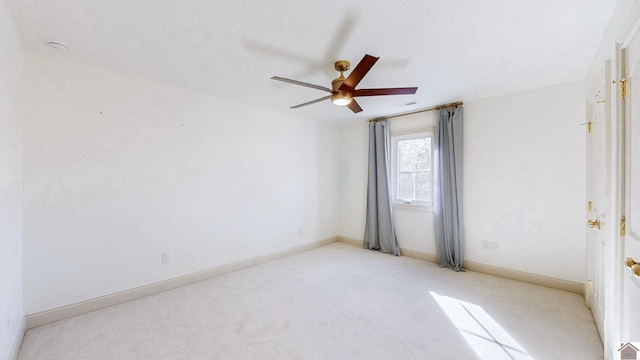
x=489, y=245
x=165, y=257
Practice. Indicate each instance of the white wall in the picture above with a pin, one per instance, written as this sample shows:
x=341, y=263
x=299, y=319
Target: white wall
x=119, y=169
x=352, y=182
x=525, y=187
x=524, y=169
x=11, y=309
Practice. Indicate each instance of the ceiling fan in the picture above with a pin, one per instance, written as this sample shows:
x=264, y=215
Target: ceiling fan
x=344, y=90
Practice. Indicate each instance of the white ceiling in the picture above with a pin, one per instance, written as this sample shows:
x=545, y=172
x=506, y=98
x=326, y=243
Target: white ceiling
x=451, y=49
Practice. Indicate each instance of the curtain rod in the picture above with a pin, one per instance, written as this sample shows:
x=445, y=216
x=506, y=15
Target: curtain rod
x=453, y=104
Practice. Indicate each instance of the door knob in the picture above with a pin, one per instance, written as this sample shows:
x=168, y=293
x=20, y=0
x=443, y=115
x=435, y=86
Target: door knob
x=633, y=266
x=594, y=223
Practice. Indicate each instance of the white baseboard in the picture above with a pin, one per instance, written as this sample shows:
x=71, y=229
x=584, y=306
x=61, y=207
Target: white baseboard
x=350, y=240
x=419, y=255
x=403, y=251
x=83, y=307
x=17, y=341
x=536, y=279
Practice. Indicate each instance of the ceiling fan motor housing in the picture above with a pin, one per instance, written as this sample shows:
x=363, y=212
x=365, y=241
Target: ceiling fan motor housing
x=340, y=97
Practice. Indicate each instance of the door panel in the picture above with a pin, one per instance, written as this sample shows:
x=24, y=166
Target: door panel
x=597, y=207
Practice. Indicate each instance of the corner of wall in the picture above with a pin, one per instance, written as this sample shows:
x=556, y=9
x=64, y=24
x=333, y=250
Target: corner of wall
x=11, y=206
x=17, y=342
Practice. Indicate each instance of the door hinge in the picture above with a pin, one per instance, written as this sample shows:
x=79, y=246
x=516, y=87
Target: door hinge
x=623, y=227
x=589, y=206
x=623, y=88
x=589, y=127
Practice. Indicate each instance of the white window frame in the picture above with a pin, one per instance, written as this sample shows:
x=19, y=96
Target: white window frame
x=412, y=204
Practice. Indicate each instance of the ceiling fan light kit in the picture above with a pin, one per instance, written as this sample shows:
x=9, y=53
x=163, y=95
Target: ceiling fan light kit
x=340, y=100
x=343, y=90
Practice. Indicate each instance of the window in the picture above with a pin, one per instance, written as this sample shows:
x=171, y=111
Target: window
x=411, y=169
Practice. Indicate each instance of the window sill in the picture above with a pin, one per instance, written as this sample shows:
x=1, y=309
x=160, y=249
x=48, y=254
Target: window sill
x=413, y=207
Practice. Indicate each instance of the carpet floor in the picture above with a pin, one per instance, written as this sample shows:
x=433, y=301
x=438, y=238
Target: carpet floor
x=334, y=302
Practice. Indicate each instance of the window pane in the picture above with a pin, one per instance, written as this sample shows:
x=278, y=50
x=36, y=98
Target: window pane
x=404, y=155
x=405, y=186
x=423, y=185
x=413, y=169
x=427, y=153
x=414, y=153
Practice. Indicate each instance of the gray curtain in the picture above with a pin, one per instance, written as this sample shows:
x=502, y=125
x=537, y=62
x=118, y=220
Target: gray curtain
x=448, y=188
x=379, y=233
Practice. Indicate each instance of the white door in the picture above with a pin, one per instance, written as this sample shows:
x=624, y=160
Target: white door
x=630, y=191
x=598, y=204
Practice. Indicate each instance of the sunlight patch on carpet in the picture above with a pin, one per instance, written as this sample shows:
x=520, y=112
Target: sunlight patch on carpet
x=487, y=338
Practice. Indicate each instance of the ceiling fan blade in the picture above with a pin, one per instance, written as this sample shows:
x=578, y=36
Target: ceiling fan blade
x=358, y=73
x=296, y=82
x=385, y=91
x=312, y=102
x=354, y=106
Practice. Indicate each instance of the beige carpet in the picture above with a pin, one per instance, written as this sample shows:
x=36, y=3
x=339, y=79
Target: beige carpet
x=334, y=302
